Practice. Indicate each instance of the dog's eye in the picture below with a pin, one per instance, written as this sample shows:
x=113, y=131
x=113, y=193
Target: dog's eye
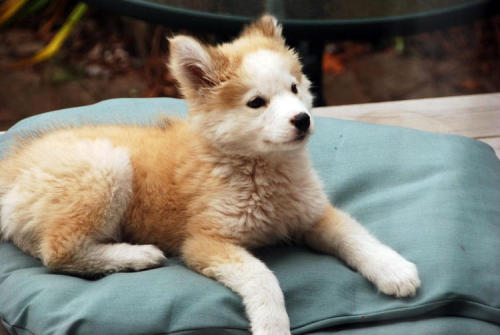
x=294, y=88
x=256, y=102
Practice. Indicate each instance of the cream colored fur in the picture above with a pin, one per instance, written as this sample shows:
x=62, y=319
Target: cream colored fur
x=99, y=199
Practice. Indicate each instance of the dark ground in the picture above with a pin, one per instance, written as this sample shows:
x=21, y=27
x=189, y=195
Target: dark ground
x=109, y=57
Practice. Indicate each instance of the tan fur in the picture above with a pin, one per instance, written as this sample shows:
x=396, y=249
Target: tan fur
x=165, y=180
x=98, y=199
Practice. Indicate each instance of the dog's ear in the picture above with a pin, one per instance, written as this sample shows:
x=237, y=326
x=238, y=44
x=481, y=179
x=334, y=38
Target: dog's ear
x=191, y=63
x=267, y=25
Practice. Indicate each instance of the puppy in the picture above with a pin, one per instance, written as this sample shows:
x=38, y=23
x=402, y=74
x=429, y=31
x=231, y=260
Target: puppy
x=234, y=176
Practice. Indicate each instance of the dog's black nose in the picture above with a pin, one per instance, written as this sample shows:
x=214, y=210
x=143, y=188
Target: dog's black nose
x=301, y=121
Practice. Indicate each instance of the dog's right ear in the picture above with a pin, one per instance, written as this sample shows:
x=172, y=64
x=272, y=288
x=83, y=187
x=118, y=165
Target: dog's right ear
x=191, y=64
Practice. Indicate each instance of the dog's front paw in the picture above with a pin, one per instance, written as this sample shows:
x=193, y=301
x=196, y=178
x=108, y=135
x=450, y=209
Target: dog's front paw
x=270, y=331
x=394, y=275
x=399, y=279
x=271, y=324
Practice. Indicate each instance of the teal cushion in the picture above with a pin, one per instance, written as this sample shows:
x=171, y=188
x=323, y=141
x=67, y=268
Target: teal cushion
x=434, y=198
x=447, y=325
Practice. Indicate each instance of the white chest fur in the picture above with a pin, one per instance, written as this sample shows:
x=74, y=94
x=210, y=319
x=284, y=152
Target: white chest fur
x=266, y=199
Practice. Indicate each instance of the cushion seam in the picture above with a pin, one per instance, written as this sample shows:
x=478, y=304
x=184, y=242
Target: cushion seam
x=438, y=302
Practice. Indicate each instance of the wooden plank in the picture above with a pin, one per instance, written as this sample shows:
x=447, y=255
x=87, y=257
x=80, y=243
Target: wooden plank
x=494, y=142
x=473, y=116
x=476, y=116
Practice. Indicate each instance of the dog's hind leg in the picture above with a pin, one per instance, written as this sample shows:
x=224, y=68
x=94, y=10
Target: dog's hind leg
x=83, y=255
x=69, y=248
x=67, y=209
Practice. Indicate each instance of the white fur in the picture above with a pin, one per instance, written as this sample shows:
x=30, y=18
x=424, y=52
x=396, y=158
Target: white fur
x=113, y=164
x=278, y=129
x=269, y=75
x=268, y=72
x=36, y=190
x=13, y=221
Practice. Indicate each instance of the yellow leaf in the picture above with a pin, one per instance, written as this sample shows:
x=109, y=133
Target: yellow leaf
x=9, y=8
x=55, y=44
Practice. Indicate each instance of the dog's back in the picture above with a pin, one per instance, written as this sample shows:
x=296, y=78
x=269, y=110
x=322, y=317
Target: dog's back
x=74, y=187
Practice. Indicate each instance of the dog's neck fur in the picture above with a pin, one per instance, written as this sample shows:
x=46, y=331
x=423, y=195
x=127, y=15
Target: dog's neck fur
x=259, y=186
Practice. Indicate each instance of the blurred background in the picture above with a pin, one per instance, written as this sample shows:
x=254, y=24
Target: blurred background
x=105, y=55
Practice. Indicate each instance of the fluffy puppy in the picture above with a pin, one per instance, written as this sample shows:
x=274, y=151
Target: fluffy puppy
x=234, y=176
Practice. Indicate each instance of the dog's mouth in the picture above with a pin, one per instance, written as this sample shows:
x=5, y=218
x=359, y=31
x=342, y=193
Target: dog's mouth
x=297, y=139
x=300, y=137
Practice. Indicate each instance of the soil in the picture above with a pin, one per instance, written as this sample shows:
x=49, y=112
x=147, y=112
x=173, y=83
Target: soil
x=109, y=57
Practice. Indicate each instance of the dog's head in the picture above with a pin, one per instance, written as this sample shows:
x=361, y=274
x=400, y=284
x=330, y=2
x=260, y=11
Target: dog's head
x=248, y=96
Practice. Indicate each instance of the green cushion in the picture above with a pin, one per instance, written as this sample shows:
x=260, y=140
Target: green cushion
x=434, y=198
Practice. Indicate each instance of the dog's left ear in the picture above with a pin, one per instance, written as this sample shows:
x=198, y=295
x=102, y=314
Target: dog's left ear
x=191, y=64
x=267, y=25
